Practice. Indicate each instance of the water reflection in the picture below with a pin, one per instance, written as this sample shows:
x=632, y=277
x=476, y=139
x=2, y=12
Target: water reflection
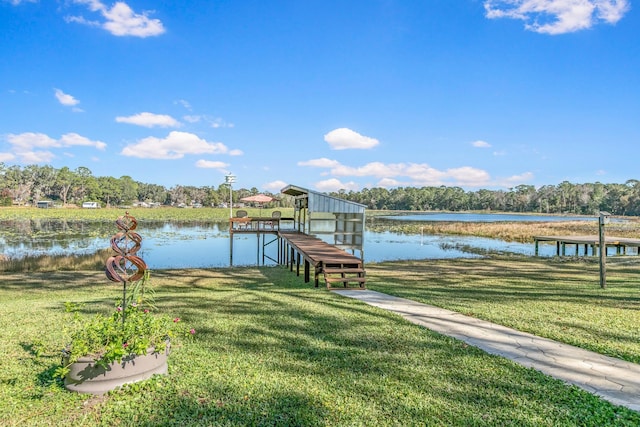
x=201, y=245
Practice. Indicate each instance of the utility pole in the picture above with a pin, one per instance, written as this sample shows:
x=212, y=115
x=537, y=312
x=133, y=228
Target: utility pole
x=230, y=179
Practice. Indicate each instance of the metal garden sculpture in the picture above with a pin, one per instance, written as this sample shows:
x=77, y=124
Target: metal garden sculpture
x=125, y=266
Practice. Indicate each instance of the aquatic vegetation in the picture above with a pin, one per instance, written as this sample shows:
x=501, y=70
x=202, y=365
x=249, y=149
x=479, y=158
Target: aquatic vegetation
x=62, y=262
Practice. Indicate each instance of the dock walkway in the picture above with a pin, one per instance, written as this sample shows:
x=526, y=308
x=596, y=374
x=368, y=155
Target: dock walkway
x=620, y=243
x=336, y=265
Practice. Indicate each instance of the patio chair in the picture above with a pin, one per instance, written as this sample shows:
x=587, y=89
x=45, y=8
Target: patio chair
x=276, y=216
x=242, y=225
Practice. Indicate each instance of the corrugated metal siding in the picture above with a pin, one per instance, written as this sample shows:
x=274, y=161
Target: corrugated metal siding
x=319, y=202
x=322, y=203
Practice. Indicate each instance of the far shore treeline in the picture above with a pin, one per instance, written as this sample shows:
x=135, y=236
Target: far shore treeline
x=29, y=184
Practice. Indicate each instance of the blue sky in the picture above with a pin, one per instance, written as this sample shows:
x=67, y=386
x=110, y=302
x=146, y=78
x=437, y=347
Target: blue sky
x=324, y=94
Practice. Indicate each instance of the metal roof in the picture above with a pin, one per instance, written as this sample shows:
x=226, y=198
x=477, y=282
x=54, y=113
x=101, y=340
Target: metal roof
x=320, y=202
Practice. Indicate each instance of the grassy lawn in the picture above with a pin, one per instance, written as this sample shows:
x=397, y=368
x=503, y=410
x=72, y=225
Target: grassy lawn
x=271, y=350
x=556, y=298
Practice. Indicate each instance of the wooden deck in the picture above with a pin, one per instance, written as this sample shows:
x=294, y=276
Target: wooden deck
x=620, y=243
x=254, y=224
x=337, y=266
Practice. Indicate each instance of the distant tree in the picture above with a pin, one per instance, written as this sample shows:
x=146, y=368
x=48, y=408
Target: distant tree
x=65, y=179
x=110, y=190
x=83, y=178
x=5, y=198
x=128, y=190
x=211, y=197
x=177, y=195
x=18, y=187
x=152, y=193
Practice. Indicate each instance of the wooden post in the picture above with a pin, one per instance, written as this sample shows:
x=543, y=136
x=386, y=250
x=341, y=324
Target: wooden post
x=306, y=271
x=603, y=249
x=258, y=246
x=291, y=256
x=230, y=243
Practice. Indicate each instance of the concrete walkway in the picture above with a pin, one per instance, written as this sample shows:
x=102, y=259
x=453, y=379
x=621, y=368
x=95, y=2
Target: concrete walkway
x=612, y=379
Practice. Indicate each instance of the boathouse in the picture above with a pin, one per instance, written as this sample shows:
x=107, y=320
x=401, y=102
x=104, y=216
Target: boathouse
x=325, y=234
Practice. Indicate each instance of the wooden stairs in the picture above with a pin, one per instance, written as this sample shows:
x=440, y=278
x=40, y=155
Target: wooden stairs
x=345, y=275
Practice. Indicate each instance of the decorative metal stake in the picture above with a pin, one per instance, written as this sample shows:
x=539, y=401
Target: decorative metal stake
x=124, y=266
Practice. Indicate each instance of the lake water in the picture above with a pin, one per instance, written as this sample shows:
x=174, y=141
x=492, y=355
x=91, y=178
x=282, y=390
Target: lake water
x=170, y=245
x=487, y=217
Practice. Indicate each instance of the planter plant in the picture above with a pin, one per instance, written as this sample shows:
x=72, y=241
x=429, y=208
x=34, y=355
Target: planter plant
x=133, y=342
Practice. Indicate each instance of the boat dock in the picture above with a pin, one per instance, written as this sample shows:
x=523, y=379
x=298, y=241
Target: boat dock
x=588, y=242
x=300, y=251
x=298, y=245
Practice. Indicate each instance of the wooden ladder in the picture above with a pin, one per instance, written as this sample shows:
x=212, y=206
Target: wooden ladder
x=344, y=274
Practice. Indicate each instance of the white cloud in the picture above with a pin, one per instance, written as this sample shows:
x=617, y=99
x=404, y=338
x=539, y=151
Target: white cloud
x=376, y=169
x=28, y=140
x=191, y=118
x=236, y=152
x=149, y=120
x=214, y=122
x=411, y=174
x=388, y=183
x=65, y=99
x=468, y=176
x=36, y=157
x=120, y=19
x=25, y=145
x=517, y=179
x=209, y=164
x=274, y=186
x=334, y=184
x=174, y=146
x=71, y=139
x=320, y=163
x=344, y=139
x=481, y=144
x=6, y=157
x=558, y=16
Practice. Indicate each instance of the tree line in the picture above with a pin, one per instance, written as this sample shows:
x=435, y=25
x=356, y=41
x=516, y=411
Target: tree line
x=564, y=198
x=29, y=184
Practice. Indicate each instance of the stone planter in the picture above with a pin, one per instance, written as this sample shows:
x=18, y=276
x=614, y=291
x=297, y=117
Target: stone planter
x=85, y=376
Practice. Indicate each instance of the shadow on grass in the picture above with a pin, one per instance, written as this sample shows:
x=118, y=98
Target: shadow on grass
x=501, y=279
x=272, y=409
x=281, y=333
x=273, y=350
